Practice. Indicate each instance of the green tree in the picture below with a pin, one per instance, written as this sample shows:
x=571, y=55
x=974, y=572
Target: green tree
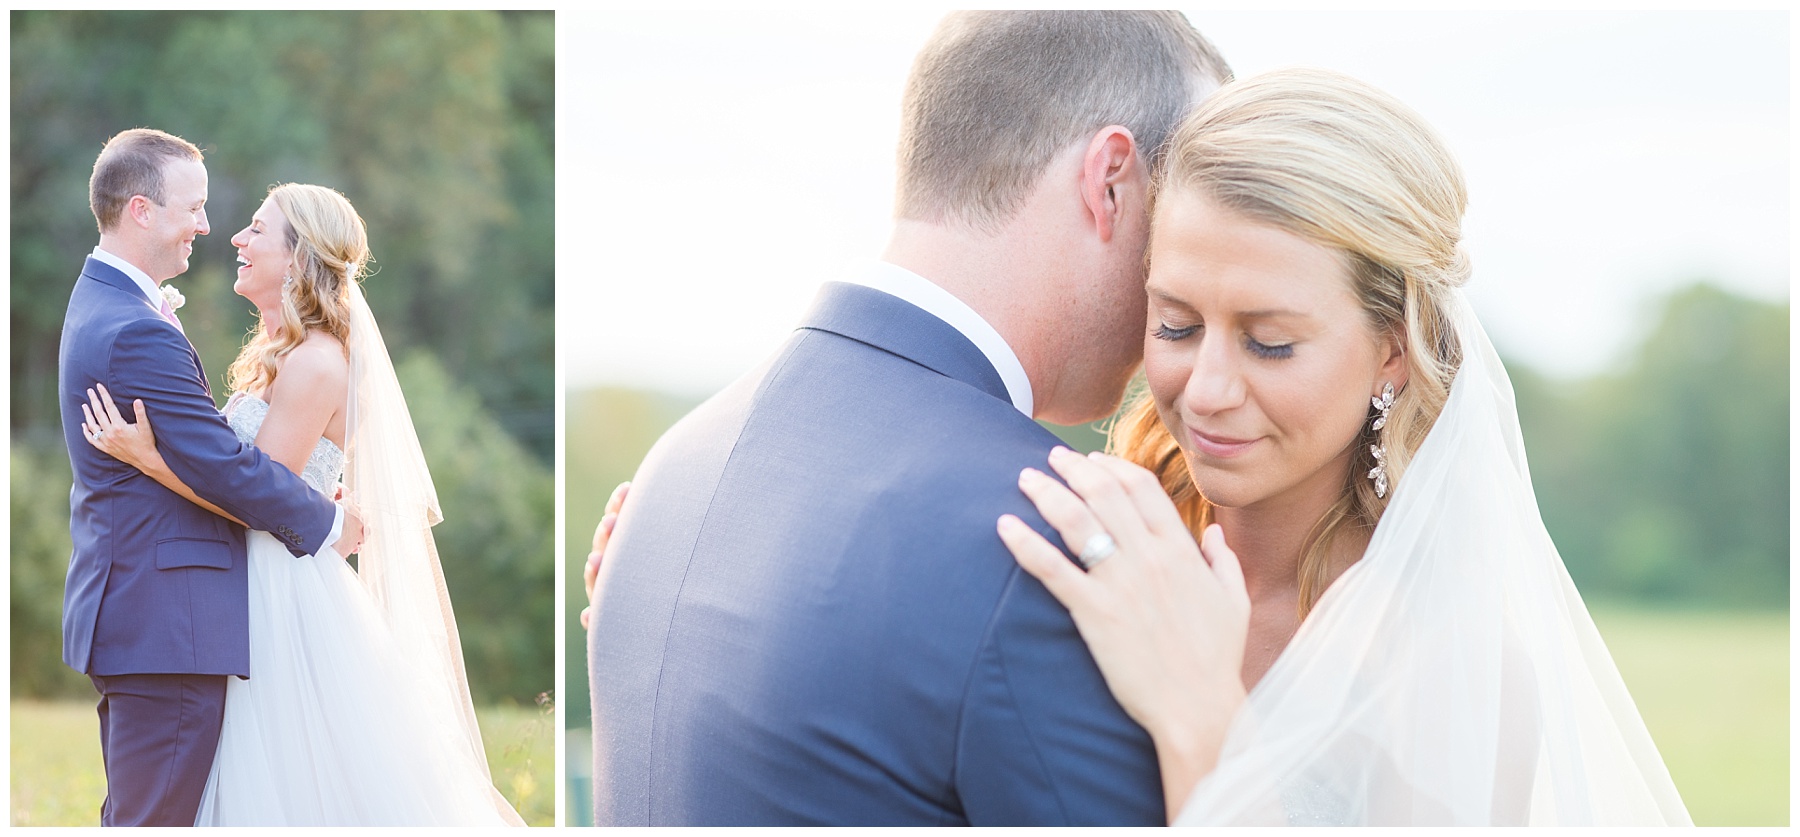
x=1670, y=480
x=39, y=507
x=496, y=542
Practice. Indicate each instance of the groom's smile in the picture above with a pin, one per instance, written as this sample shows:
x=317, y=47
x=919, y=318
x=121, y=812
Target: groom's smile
x=179, y=218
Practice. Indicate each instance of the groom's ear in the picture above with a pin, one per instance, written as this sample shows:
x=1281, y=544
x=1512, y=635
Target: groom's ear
x=1110, y=179
x=137, y=211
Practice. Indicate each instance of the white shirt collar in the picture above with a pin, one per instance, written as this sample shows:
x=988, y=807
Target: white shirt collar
x=897, y=281
x=143, y=280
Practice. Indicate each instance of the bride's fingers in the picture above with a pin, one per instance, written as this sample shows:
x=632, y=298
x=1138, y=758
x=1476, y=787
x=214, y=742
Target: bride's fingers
x=1061, y=508
x=143, y=416
x=590, y=573
x=1224, y=562
x=1105, y=498
x=1046, y=563
x=112, y=410
x=1147, y=494
x=617, y=500
x=603, y=531
x=97, y=413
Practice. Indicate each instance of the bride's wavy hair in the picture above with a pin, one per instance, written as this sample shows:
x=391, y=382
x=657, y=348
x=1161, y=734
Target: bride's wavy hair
x=330, y=249
x=1346, y=166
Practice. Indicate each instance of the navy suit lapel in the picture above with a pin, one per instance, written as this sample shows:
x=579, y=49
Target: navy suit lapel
x=901, y=328
x=112, y=277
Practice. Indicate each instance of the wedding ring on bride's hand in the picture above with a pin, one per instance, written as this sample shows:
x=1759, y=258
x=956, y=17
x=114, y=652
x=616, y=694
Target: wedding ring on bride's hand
x=1098, y=548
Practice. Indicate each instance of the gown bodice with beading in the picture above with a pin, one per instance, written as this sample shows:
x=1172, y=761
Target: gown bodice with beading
x=245, y=413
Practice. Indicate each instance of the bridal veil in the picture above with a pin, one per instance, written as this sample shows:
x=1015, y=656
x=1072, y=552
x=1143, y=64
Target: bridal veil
x=390, y=487
x=1453, y=675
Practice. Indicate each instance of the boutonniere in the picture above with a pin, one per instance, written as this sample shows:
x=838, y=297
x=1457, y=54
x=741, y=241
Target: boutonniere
x=173, y=297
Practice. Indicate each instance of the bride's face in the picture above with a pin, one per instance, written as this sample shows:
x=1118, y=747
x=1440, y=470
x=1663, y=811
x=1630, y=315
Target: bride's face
x=263, y=256
x=1259, y=357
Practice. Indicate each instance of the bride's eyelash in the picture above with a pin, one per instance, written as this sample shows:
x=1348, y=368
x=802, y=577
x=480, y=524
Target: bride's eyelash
x=1267, y=352
x=1164, y=332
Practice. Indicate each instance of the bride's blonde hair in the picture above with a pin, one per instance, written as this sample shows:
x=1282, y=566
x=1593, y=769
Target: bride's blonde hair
x=1344, y=165
x=330, y=248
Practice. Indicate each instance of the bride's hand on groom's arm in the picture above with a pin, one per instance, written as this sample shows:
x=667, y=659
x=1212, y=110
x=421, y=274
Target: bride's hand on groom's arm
x=590, y=574
x=105, y=429
x=134, y=444
x=1165, y=617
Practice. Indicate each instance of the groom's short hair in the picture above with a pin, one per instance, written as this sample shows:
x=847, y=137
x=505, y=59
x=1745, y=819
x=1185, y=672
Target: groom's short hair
x=130, y=164
x=994, y=96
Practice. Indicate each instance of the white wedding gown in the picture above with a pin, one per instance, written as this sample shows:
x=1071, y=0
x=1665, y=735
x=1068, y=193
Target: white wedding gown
x=334, y=725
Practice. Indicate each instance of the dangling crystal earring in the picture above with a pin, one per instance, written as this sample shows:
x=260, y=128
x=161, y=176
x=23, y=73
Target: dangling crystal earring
x=1379, y=472
x=287, y=282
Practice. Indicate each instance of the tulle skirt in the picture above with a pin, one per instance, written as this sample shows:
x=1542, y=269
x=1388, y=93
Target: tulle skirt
x=333, y=727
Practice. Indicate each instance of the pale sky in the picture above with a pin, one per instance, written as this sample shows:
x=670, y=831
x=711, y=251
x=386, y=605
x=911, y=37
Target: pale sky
x=714, y=168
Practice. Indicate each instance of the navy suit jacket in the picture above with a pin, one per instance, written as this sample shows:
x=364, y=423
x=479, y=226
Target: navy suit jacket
x=808, y=618
x=156, y=584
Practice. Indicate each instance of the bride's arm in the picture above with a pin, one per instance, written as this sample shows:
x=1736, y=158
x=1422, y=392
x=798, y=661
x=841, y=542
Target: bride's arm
x=135, y=445
x=313, y=387
x=1165, y=617
x=307, y=396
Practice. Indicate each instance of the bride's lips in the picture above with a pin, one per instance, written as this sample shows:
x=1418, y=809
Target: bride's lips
x=1223, y=447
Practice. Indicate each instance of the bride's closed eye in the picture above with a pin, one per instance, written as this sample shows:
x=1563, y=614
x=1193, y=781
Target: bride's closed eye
x=1165, y=332
x=1267, y=351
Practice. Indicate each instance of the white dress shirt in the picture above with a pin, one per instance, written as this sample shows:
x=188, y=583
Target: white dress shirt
x=897, y=281
x=153, y=293
x=151, y=290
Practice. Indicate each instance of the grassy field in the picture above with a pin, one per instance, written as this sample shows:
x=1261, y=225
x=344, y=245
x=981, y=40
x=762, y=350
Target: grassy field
x=57, y=778
x=1712, y=687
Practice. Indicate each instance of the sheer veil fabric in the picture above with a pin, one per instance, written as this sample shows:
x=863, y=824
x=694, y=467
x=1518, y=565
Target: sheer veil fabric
x=1453, y=675
x=390, y=487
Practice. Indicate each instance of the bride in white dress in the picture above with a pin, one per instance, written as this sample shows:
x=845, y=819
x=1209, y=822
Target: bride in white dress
x=357, y=709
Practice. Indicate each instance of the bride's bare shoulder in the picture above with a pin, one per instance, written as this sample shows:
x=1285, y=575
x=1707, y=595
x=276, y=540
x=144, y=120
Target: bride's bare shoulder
x=317, y=366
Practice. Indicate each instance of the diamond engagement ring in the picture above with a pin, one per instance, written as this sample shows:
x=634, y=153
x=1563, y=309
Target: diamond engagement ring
x=1098, y=548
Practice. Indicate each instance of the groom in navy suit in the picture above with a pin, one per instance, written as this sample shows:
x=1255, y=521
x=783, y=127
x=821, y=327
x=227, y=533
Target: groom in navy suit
x=155, y=605
x=806, y=616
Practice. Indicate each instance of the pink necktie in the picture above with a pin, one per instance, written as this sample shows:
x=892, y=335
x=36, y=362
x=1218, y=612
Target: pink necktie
x=169, y=314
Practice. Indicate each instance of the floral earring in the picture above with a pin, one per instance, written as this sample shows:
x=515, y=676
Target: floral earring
x=1379, y=450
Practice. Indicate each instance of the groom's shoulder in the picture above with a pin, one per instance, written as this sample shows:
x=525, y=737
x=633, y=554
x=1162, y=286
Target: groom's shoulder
x=122, y=334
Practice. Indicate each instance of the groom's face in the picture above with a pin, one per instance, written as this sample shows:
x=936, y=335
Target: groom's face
x=175, y=222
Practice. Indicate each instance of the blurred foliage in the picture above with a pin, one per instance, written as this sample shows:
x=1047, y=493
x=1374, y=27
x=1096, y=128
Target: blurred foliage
x=39, y=508
x=439, y=127
x=496, y=538
x=1668, y=480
